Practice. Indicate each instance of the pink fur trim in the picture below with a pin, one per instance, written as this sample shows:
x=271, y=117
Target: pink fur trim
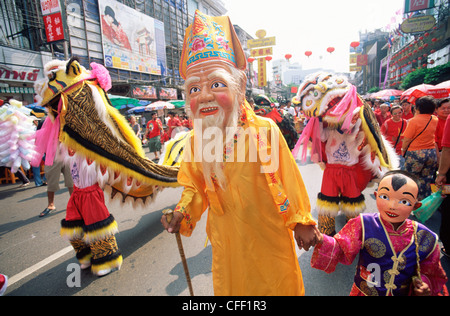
x=102, y=74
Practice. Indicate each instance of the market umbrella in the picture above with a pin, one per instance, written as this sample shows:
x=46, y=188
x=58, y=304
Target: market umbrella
x=412, y=94
x=159, y=105
x=138, y=109
x=178, y=103
x=121, y=102
x=386, y=94
x=445, y=84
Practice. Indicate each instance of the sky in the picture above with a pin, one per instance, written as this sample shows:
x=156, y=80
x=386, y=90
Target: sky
x=313, y=25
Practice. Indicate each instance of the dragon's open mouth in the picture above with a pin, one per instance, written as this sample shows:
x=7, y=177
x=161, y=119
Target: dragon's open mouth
x=332, y=106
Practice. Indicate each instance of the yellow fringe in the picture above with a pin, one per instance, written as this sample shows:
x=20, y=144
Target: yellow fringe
x=328, y=208
x=113, y=264
x=101, y=233
x=373, y=144
x=86, y=259
x=71, y=233
x=113, y=165
x=124, y=126
x=353, y=209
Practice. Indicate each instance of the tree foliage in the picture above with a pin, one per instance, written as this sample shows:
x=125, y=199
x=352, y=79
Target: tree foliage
x=427, y=75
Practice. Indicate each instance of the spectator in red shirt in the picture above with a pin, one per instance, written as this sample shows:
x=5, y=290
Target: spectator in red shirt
x=153, y=134
x=408, y=112
x=442, y=112
x=393, y=128
x=165, y=135
x=173, y=123
x=443, y=177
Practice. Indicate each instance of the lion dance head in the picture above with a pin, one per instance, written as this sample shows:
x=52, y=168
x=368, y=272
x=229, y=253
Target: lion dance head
x=82, y=118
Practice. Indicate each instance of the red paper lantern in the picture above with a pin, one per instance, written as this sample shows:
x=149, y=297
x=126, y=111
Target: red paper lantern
x=330, y=49
x=288, y=56
x=268, y=58
x=251, y=59
x=354, y=44
x=434, y=39
x=308, y=53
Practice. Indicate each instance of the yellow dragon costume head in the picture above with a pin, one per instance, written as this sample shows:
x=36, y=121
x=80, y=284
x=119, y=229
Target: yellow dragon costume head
x=333, y=101
x=82, y=118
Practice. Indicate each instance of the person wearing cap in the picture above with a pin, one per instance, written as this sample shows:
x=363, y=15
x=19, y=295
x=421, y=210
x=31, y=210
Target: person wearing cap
x=257, y=208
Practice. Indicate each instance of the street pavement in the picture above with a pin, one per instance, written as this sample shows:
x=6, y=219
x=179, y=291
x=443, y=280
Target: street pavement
x=39, y=262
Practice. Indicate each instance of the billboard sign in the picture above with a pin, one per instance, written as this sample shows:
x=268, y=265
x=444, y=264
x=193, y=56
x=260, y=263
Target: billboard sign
x=131, y=40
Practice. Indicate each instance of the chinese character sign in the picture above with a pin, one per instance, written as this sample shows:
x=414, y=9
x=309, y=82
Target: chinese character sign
x=262, y=81
x=54, y=27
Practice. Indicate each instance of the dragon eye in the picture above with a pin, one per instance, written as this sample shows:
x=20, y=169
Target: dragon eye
x=52, y=76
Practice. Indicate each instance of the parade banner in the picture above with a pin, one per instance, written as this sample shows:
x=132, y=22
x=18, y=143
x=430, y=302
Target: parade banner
x=131, y=40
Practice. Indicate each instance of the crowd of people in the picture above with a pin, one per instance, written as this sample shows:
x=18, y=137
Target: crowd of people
x=416, y=131
x=155, y=133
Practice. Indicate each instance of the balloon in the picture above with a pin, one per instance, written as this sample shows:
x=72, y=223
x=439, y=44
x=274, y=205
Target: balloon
x=308, y=53
x=330, y=49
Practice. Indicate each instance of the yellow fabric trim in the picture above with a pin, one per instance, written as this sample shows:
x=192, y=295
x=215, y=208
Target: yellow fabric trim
x=113, y=264
x=68, y=141
x=371, y=140
x=101, y=233
x=71, y=233
x=124, y=127
x=327, y=207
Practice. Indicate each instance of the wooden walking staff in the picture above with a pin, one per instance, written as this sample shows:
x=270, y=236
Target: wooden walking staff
x=169, y=216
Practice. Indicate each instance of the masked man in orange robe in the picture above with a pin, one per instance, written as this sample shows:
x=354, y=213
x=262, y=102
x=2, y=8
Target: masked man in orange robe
x=238, y=166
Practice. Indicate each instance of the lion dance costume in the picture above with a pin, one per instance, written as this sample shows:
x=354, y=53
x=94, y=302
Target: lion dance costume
x=344, y=135
x=94, y=139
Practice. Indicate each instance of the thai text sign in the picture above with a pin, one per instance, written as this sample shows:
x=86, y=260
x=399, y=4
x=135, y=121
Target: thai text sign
x=418, y=24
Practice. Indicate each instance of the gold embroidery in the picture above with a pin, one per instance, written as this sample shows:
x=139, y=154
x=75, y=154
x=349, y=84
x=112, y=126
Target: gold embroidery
x=375, y=247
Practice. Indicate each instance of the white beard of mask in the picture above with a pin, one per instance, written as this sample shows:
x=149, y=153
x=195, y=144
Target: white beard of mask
x=215, y=168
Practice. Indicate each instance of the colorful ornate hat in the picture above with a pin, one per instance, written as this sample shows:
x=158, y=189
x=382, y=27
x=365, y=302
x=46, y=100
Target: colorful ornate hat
x=211, y=38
